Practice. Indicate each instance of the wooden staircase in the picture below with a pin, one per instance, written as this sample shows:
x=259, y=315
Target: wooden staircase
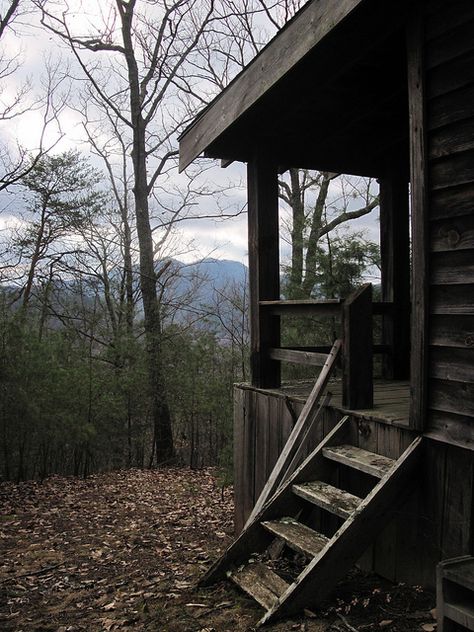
x=317, y=513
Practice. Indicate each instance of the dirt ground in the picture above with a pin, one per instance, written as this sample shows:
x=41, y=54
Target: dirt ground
x=123, y=551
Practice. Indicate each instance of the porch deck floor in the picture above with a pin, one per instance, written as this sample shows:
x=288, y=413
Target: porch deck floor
x=391, y=399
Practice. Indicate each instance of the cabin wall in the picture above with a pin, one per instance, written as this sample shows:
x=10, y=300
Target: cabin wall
x=436, y=520
x=449, y=112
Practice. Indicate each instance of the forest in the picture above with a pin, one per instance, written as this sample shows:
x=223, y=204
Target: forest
x=118, y=349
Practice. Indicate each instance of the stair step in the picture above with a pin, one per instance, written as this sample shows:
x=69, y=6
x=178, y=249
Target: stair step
x=362, y=460
x=333, y=499
x=461, y=613
x=261, y=583
x=298, y=536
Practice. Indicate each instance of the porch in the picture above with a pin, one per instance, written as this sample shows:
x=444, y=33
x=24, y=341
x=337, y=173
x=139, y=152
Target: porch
x=391, y=399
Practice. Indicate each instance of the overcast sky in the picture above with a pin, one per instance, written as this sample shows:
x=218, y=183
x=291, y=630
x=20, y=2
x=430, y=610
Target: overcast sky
x=223, y=239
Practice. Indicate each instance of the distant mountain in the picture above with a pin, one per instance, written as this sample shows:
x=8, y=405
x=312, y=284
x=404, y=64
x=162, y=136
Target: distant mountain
x=198, y=286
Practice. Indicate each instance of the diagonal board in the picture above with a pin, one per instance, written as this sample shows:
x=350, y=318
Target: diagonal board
x=350, y=541
x=293, y=445
x=254, y=538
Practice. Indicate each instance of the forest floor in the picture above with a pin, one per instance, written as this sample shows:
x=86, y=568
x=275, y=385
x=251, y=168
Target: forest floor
x=123, y=550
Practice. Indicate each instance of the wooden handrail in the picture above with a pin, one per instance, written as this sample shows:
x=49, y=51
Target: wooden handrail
x=330, y=307
x=298, y=356
x=303, y=308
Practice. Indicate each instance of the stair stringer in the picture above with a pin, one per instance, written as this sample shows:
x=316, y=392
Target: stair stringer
x=255, y=538
x=350, y=541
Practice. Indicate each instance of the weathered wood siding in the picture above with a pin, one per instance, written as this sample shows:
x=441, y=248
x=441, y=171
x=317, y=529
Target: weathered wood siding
x=449, y=88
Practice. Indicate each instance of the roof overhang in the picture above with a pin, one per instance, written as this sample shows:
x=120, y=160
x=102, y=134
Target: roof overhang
x=319, y=95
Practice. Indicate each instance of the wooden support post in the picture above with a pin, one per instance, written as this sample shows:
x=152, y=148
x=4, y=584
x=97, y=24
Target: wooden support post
x=358, y=388
x=264, y=269
x=395, y=255
x=419, y=219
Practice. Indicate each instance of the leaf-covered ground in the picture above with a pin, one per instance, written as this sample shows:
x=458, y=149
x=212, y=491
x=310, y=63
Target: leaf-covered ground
x=123, y=550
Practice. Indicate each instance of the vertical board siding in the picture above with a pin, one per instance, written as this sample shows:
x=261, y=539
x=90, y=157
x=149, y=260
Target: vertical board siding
x=449, y=55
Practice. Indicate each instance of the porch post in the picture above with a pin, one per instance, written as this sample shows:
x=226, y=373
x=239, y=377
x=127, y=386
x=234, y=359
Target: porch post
x=395, y=260
x=264, y=269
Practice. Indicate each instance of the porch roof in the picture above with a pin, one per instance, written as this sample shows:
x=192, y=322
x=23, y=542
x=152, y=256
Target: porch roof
x=328, y=92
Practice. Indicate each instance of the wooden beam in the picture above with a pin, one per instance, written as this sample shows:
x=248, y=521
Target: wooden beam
x=298, y=356
x=264, y=269
x=419, y=220
x=358, y=388
x=330, y=307
x=311, y=25
x=395, y=255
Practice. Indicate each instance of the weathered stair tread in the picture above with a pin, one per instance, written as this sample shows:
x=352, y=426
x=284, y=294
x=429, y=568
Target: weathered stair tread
x=461, y=613
x=461, y=573
x=298, y=536
x=368, y=462
x=261, y=583
x=333, y=499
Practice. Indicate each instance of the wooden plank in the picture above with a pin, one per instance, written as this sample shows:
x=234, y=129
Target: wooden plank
x=455, y=43
x=328, y=497
x=451, y=429
x=452, y=364
x=304, y=446
x=349, y=541
x=452, y=107
x=299, y=431
x=451, y=76
x=430, y=511
x=310, y=26
x=455, y=170
x=362, y=460
x=297, y=536
x=452, y=300
x=264, y=269
x=255, y=539
x=262, y=432
x=452, y=202
x=452, y=268
x=452, y=397
x=460, y=571
x=458, y=495
x=451, y=139
x=358, y=357
x=261, y=583
x=446, y=17
x=395, y=269
x=453, y=234
x=419, y=219
x=461, y=613
x=309, y=358
x=452, y=332
x=239, y=458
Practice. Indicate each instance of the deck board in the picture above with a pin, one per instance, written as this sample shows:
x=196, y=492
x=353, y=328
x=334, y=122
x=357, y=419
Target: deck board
x=391, y=399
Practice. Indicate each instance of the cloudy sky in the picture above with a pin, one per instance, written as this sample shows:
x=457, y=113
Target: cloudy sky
x=224, y=238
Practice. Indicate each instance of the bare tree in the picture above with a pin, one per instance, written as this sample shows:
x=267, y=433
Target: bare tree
x=314, y=213
x=139, y=78
x=15, y=160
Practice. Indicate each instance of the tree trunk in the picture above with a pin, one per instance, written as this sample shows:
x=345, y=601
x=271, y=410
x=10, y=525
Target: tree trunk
x=161, y=417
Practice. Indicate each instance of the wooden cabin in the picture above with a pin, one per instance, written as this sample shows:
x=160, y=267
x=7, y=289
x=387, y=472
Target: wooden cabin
x=378, y=88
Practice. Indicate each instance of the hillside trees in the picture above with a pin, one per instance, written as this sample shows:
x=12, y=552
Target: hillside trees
x=142, y=60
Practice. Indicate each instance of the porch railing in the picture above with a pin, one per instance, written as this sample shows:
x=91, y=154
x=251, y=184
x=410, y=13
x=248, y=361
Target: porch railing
x=356, y=314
